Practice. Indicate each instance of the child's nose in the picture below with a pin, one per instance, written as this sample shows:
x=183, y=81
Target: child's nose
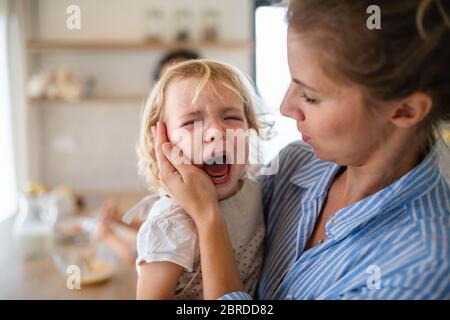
x=213, y=132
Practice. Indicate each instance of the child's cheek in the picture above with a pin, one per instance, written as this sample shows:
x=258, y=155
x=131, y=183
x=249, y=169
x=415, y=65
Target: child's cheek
x=238, y=146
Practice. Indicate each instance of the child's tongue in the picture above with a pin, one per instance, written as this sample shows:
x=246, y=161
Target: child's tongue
x=216, y=170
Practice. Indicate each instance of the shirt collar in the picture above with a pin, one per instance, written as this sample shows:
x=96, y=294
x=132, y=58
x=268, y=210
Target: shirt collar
x=317, y=175
x=417, y=182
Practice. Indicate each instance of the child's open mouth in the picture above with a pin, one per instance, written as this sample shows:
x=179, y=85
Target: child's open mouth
x=218, y=169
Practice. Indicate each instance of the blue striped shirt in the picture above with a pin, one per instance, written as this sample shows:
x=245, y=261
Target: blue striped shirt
x=393, y=244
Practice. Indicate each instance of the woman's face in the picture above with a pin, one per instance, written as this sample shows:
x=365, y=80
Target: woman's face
x=332, y=117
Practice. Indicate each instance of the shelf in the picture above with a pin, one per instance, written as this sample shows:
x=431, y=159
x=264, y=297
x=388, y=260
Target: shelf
x=56, y=45
x=134, y=100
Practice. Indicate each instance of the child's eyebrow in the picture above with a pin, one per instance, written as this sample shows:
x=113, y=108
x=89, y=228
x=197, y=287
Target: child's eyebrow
x=227, y=109
x=192, y=113
x=198, y=113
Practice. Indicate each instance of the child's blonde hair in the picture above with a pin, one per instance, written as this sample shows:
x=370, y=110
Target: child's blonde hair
x=206, y=72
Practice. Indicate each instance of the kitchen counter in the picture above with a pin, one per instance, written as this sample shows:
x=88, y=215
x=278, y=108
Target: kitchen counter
x=39, y=278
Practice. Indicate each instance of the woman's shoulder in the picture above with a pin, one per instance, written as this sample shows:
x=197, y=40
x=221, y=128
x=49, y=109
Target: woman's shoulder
x=296, y=148
x=433, y=205
x=294, y=156
x=430, y=216
x=296, y=153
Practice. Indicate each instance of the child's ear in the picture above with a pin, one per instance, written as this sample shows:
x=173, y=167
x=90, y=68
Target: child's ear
x=411, y=110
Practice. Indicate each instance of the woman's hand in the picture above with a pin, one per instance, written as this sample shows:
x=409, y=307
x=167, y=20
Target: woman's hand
x=192, y=188
x=188, y=185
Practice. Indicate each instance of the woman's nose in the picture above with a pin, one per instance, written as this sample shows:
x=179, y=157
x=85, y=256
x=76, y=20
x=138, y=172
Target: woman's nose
x=290, y=108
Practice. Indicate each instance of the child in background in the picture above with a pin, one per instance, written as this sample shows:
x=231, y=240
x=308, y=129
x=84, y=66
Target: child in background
x=125, y=247
x=171, y=58
x=221, y=98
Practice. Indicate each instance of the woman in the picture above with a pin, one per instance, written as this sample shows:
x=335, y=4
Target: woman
x=367, y=214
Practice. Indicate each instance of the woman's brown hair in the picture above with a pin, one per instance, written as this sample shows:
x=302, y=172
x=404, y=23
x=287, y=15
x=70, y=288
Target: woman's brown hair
x=410, y=53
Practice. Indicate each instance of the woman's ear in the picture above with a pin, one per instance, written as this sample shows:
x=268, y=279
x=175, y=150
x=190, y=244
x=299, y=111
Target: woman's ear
x=411, y=110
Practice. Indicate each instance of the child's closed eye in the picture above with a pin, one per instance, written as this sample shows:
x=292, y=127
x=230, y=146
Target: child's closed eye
x=235, y=118
x=188, y=122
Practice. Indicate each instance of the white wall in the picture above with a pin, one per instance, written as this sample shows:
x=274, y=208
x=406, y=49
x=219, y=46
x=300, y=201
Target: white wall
x=91, y=147
x=122, y=19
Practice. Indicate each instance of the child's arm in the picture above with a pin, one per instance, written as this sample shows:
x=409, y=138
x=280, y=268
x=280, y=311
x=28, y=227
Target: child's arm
x=158, y=280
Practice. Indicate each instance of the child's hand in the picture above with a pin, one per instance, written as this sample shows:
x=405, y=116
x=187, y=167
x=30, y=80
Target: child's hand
x=188, y=185
x=104, y=230
x=110, y=212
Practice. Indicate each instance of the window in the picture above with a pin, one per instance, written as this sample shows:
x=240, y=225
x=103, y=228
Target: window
x=271, y=69
x=8, y=194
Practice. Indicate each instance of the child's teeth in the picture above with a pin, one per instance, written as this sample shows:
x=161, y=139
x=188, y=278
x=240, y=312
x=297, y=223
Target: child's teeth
x=216, y=160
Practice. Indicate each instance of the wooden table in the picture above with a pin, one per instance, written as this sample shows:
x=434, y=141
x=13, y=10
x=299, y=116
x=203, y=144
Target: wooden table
x=39, y=278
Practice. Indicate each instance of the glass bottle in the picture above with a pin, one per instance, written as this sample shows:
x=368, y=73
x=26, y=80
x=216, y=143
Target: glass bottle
x=33, y=227
x=210, y=25
x=154, y=25
x=183, y=25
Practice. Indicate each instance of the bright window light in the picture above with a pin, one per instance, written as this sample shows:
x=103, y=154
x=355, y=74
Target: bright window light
x=272, y=73
x=8, y=195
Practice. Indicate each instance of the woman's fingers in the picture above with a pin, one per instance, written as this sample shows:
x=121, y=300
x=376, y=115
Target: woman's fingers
x=160, y=137
x=188, y=185
x=176, y=157
x=171, y=160
x=153, y=129
x=161, y=133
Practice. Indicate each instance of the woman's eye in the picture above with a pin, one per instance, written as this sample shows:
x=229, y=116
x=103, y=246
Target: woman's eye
x=308, y=99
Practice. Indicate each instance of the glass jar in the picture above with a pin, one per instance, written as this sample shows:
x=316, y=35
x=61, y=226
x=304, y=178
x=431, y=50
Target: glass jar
x=183, y=25
x=154, y=25
x=33, y=227
x=210, y=25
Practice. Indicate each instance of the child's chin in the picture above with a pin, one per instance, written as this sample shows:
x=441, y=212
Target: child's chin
x=222, y=195
x=231, y=185
x=227, y=190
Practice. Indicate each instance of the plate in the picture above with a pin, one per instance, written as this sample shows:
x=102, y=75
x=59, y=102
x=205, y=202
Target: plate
x=75, y=246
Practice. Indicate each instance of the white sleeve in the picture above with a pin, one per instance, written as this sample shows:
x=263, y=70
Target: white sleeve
x=169, y=237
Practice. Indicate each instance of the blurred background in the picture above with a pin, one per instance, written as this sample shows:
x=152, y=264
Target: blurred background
x=74, y=75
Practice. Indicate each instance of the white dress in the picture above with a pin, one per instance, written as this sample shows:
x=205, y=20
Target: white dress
x=169, y=234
